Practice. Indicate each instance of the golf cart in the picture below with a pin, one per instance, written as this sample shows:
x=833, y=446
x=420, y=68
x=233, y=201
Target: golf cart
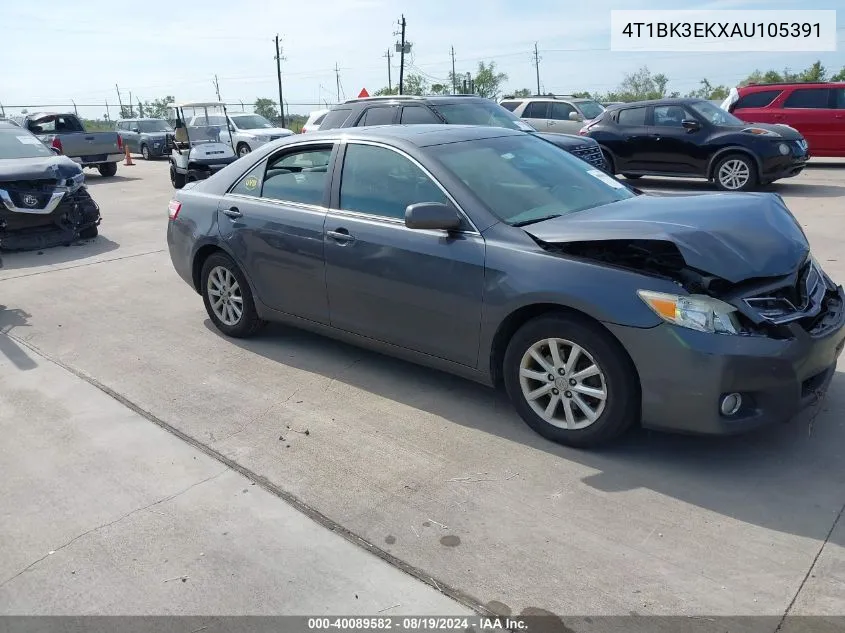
x=200, y=150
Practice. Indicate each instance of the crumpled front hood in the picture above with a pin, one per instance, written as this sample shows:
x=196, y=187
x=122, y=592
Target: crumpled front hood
x=58, y=167
x=736, y=236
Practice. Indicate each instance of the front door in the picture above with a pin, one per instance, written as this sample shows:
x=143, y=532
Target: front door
x=272, y=221
x=671, y=148
x=560, y=121
x=418, y=289
x=630, y=139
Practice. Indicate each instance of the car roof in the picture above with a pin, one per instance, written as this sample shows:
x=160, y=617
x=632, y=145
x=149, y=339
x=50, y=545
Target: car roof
x=794, y=84
x=419, y=135
x=650, y=102
x=142, y=118
x=411, y=98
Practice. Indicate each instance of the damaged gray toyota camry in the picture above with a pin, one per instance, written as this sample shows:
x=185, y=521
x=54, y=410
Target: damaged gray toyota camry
x=496, y=256
x=43, y=201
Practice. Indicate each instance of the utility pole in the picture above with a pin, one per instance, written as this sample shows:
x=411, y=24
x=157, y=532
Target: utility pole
x=389, y=78
x=131, y=107
x=537, y=66
x=217, y=88
x=279, y=77
x=337, y=78
x=108, y=114
x=120, y=101
x=75, y=111
x=402, y=57
x=454, y=78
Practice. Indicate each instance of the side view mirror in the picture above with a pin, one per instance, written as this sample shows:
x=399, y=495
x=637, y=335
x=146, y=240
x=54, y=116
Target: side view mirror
x=691, y=125
x=432, y=215
x=574, y=116
x=136, y=130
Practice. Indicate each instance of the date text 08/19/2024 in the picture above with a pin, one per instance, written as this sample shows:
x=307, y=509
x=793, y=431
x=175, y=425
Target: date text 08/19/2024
x=481, y=623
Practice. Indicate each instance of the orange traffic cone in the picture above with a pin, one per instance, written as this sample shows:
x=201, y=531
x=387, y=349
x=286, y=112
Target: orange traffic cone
x=128, y=162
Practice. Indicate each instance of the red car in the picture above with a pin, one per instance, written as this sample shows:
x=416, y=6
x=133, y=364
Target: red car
x=817, y=110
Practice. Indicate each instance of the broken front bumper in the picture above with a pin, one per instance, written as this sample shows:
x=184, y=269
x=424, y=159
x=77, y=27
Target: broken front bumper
x=59, y=221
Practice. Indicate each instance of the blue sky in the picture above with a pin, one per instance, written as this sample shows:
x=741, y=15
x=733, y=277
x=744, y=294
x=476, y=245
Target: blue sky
x=80, y=50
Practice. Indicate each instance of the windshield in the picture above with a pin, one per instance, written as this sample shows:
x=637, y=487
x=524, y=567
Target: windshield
x=590, y=109
x=251, y=122
x=481, y=113
x=522, y=178
x=18, y=143
x=209, y=120
x=154, y=126
x=715, y=114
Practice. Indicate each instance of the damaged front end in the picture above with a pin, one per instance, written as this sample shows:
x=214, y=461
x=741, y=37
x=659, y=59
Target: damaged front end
x=803, y=301
x=44, y=210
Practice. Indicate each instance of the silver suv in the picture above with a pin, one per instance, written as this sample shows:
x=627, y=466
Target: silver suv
x=563, y=114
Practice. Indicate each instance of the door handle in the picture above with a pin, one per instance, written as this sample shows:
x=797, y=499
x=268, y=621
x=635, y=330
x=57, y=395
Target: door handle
x=341, y=235
x=233, y=212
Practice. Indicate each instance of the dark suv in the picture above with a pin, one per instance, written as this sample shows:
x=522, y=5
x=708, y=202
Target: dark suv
x=451, y=109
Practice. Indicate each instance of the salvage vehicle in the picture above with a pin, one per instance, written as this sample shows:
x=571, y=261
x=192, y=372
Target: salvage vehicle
x=247, y=131
x=201, y=152
x=152, y=138
x=450, y=110
x=64, y=132
x=43, y=198
x=694, y=138
x=489, y=253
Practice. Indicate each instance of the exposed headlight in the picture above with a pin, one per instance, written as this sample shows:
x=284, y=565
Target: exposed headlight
x=762, y=132
x=695, y=312
x=783, y=148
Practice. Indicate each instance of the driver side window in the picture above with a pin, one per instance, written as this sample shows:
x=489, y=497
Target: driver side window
x=670, y=115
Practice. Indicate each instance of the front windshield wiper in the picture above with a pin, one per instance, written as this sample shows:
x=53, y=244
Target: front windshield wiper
x=535, y=220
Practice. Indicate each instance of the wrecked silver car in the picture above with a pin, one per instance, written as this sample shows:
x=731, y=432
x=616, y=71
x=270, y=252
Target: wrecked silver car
x=43, y=200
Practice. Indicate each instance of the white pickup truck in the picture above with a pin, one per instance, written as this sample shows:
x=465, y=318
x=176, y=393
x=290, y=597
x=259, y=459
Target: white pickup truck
x=248, y=131
x=64, y=132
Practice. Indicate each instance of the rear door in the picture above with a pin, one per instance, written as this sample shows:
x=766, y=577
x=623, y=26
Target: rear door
x=537, y=114
x=272, y=221
x=417, y=289
x=811, y=111
x=629, y=139
x=419, y=115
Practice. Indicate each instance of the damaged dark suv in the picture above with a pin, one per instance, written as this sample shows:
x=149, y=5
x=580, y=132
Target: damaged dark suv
x=43, y=201
x=491, y=254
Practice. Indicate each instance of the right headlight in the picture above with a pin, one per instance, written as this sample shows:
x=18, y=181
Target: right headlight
x=695, y=312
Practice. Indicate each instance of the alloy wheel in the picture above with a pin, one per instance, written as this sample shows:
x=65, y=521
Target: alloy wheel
x=563, y=383
x=734, y=174
x=224, y=293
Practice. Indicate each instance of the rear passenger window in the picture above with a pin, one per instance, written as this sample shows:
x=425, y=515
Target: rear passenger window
x=808, y=98
x=335, y=118
x=377, y=116
x=418, y=115
x=382, y=182
x=536, y=110
x=632, y=116
x=297, y=177
x=757, y=99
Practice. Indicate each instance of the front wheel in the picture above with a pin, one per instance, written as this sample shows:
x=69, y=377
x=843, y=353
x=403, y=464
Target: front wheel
x=243, y=149
x=145, y=152
x=176, y=179
x=571, y=381
x=228, y=297
x=107, y=170
x=736, y=172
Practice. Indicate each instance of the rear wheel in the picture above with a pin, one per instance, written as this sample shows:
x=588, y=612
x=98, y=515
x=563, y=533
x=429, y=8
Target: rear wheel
x=228, y=297
x=632, y=176
x=571, y=381
x=145, y=152
x=736, y=172
x=107, y=170
x=176, y=179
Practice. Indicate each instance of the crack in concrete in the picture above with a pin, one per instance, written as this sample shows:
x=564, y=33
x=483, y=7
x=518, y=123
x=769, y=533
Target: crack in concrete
x=810, y=570
x=99, y=261
x=110, y=523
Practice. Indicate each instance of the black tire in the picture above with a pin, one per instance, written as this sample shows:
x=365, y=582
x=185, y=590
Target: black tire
x=176, y=179
x=243, y=149
x=749, y=165
x=608, y=162
x=249, y=322
x=632, y=176
x=107, y=170
x=145, y=152
x=90, y=233
x=622, y=405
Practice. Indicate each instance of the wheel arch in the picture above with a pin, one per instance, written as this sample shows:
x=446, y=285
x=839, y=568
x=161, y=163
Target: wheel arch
x=733, y=149
x=522, y=315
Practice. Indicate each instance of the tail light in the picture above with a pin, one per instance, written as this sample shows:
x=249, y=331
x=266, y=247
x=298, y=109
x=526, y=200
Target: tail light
x=57, y=145
x=119, y=142
x=174, y=208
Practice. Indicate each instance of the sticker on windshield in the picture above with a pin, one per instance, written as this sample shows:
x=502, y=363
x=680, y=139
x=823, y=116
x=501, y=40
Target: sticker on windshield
x=251, y=183
x=524, y=126
x=595, y=173
x=507, y=156
x=29, y=140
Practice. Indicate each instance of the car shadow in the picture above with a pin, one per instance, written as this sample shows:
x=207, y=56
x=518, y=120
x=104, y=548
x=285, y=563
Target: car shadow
x=96, y=179
x=693, y=187
x=824, y=164
x=766, y=478
x=19, y=260
x=13, y=318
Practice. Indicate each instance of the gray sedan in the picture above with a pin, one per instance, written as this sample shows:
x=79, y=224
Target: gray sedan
x=496, y=256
